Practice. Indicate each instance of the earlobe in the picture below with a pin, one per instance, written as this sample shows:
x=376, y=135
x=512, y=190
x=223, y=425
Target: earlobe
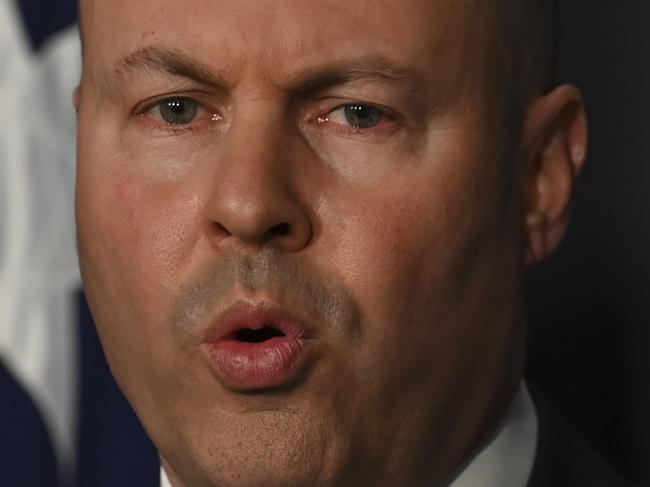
x=555, y=145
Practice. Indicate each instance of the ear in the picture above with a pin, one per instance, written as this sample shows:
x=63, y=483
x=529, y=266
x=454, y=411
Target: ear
x=555, y=148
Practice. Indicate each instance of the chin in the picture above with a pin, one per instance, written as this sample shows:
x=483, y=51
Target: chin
x=263, y=449
x=258, y=469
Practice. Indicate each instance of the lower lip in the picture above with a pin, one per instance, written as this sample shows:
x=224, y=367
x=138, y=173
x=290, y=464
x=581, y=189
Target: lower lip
x=247, y=366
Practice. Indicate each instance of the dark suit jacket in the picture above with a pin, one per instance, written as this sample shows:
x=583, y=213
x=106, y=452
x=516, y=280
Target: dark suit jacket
x=564, y=458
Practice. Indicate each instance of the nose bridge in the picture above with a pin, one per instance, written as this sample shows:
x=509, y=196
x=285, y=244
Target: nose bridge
x=254, y=141
x=253, y=200
x=254, y=166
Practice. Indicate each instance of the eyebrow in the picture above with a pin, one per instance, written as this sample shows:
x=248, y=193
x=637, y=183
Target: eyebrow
x=371, y=68
x=171, y=62
x=177, y=63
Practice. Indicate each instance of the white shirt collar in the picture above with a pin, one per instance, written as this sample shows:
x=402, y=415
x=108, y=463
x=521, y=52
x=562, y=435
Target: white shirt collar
x=506, y=461
x=164, y=480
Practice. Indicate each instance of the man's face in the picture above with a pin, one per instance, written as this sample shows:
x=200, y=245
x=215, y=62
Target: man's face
x=299, y=236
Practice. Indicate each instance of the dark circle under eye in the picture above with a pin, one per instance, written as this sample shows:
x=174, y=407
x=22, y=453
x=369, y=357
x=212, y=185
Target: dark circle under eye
x=362, y=116
x=178, y=111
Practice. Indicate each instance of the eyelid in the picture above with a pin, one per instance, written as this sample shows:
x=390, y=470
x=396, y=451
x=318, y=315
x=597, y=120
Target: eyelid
x=388, y=115
x=384, y=113
x=205, y=111
x=153, y=102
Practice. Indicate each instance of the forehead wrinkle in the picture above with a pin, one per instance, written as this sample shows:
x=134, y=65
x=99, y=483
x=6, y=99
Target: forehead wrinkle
x=153, y=60
x=175, y=62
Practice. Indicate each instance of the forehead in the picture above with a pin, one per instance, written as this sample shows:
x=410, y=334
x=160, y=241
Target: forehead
x=276, y=34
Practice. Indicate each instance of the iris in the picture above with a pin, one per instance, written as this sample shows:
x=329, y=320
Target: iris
x=362, y=116
x=178, y=111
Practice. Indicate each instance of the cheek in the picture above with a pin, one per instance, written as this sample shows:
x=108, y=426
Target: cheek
x=387, y=244
x=154, y=225
x=136, y=238
x=136, y=241
x=420, y=252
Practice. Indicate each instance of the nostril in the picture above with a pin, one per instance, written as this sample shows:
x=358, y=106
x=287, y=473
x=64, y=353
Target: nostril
x=279, y=230
x=221, y=230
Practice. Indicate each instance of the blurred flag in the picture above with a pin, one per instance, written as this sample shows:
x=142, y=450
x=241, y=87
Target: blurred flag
x=62, y=420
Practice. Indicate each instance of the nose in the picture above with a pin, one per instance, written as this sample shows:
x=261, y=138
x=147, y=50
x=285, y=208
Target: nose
x=254, y=200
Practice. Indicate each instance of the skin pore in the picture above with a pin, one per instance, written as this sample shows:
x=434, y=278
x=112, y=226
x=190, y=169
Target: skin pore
x=348, y=161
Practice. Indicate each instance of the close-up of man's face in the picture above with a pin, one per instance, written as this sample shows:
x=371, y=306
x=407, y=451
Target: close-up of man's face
x=302, y=231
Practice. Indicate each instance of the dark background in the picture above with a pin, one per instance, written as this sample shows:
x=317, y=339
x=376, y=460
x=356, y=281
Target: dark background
x=588, y=306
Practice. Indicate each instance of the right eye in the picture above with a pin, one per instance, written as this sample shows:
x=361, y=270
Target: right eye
x=178, y=113
x=175, y=111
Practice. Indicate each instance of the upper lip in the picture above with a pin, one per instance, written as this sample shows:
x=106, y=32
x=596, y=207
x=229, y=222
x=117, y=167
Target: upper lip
x=243, y=314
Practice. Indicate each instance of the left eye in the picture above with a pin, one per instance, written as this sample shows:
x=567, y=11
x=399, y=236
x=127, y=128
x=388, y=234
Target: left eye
x=176, y=111
x=357, y=115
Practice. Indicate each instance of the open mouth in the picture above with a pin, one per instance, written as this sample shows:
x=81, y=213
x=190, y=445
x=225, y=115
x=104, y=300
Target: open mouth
x=249, y=335
x=254, y=347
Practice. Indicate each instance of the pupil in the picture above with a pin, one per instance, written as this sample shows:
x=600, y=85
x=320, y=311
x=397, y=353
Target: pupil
x=178, y=112
x=176, y=106
x=362, y=116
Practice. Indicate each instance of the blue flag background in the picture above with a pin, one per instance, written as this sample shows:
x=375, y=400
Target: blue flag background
x=96, y=441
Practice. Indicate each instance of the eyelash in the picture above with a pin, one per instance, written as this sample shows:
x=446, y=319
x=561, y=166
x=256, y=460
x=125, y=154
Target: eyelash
x=203, y=114
x=386, y=118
